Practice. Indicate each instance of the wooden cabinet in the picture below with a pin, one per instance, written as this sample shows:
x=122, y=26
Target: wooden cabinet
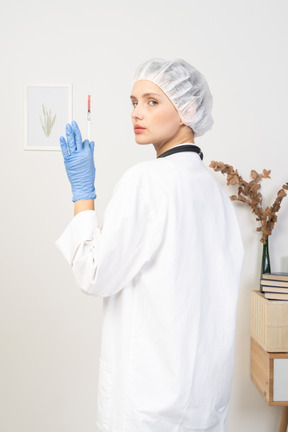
x=269, y=372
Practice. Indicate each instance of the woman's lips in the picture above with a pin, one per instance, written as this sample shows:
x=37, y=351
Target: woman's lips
x=138, y=128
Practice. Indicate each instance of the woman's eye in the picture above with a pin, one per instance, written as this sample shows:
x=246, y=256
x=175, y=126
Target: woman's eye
x=154, y=103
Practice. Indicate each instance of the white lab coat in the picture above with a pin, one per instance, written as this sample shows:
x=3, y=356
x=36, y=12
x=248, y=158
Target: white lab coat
x=167, y=262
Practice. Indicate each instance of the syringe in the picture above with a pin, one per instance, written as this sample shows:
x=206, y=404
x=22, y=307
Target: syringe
x=89, y=117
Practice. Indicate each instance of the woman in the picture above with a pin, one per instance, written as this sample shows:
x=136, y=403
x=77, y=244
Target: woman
x=167, y=262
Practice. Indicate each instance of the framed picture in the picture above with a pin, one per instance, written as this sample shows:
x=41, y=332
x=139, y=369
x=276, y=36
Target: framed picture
x=47, y=109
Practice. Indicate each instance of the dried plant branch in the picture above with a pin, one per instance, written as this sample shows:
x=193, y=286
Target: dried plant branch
x=249, y=193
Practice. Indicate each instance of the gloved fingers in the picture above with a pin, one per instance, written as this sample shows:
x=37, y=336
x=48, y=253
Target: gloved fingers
x=86, y=144
x=70, y=137
x=92, y=145
x=63, y=145
x=78, y=136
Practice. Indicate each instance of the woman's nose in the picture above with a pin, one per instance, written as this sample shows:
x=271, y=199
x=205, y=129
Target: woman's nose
x=136, y=113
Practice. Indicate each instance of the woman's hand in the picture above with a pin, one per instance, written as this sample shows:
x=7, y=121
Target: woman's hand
x=79, y=163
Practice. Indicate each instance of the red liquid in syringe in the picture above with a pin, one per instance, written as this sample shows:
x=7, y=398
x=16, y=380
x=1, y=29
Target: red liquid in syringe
x=89, y=109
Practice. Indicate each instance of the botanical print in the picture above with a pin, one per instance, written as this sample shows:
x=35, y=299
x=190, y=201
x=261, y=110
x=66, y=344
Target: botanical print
x=48, y=108
x=48, y=123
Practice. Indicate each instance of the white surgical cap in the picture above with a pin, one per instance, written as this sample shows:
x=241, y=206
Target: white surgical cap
x=185, y=86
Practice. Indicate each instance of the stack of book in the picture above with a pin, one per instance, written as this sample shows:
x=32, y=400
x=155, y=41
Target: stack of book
x=274, y=286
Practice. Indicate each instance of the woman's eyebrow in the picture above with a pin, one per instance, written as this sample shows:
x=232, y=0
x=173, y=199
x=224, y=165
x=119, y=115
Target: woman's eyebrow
x=145, y=95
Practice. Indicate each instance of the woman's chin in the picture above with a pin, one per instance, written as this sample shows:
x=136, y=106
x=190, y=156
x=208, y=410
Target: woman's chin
x=141, y=140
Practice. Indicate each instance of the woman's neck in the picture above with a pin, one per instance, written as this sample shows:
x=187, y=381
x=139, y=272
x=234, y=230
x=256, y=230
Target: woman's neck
x=184, y=135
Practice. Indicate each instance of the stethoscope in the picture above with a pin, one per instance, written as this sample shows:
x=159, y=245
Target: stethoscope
x=182, y=148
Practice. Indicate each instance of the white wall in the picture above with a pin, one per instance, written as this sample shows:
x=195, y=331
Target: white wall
x=50, y=332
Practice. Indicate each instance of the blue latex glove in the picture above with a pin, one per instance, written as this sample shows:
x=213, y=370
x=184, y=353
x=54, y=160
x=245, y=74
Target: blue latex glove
x=79, y=163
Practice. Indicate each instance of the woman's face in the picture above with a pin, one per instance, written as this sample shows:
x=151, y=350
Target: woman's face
x=154, y=111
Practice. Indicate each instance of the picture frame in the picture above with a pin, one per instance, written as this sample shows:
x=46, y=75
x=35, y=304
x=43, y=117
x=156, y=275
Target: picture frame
x=47, y=109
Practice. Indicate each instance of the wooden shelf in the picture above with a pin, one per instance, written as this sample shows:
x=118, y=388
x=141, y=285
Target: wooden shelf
x=269, y=373
x=265, y=374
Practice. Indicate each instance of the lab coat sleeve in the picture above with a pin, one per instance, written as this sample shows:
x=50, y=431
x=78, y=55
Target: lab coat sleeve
x=105, y=259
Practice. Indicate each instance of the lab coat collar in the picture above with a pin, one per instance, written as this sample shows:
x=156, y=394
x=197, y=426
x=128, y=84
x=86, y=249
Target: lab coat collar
x=182, y=147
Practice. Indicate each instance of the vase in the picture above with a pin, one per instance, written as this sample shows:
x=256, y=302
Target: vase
x=265, y=268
